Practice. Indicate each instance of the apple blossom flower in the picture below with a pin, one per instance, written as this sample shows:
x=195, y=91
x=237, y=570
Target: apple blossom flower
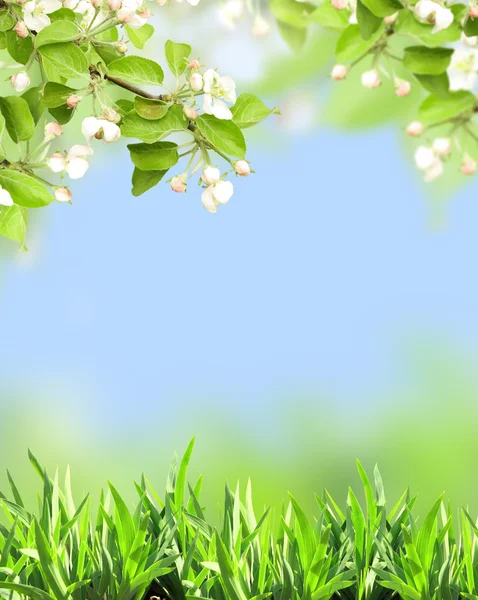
x=111, y=115
x=231, y=11
x=434, y=171
x=196, y=82
x=5, y=198
x=217, y=88
x=371, y=79
x=340, y=4
x=87, y=10
x=210, y=175
x=428, y=162
x=432, y=12
x=339, y=72
x=101, y=129
x=161, y=2
x=473, y=11
x=402, y=87
x=468, y=166
x=260, y=27
x=75, y=163
x=72, y=101
x=35, y=13
x=62, y=194
x=441, y=146
x=471, y=41
x=190, y=112
x=178, y=184
x=216, y=194
x=20, y=81
x=128, y=13
x=390, y=19
x=194, y=64
x=242, y=168
x=21, y=29
x=52, y=130
x=122, y=47
x=415, y=129
x=114, y=5
x=463, y=69
x=190, y=2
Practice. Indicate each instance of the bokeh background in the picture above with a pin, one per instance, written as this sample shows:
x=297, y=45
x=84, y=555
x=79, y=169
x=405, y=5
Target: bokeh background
x=328, y=313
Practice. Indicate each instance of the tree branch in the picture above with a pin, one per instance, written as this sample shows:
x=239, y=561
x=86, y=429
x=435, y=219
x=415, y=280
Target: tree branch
x=131, y=88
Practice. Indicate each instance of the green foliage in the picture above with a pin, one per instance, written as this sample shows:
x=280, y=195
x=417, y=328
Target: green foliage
x=165, y=546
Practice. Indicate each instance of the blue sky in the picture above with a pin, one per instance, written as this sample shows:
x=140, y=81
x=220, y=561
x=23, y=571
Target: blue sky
x=318, y=275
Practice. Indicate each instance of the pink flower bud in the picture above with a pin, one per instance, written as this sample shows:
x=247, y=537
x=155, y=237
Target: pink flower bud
x=63, y=194
x=72, y=101
x=114, y=4
x=122, y=47
x=402, y=87
x=193, y=64
x=20, y=81
x=178, y=184
x=441, y=146
x=190, y=112
x=145, y=13
x=21, y=29
x=473, y=11
x=242, y=168
x=53, y=129
x=111, y=115
x=371, y=79
x=161, y=2
x=390, y=20
x=196, y=82
x=468, y=166
x=415, y=129
x=339, y=72
x=97, y=3
x=339, y=4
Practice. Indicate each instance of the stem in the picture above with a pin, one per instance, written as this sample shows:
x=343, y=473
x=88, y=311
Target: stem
x=135, y=90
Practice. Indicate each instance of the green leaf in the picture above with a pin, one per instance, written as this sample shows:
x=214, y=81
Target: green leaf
x=367, y=21
x=471, y=27
x=60, y=31
x=177, y=56
x=56, y=94
x=18, y=118
x=150, y=109
x=139, y=37
x=159, y=156
x=434, y=108
x=62, y=114
x=67, y=59
x=249, y=110
x=223, y=135
x=435, y=84
x=107, y=54
x=383, y=8
x=351, y=45
x=20, y=49
x=25, y=190
x=6, y=20
x=134, y=126
x=13, y=223
x=63, y=14
x=292, y=12
x=407, y=24
x=427, y=61
x=26, y=590
x=331, y=18
x=35, y=103
x=145, y=180
x=294, y=37
x=136, y=69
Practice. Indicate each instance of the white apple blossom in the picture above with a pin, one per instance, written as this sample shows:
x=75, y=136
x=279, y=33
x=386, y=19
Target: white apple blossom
x=191, y=2
x=190, y=112
x=402, y=87
x=371, y=79
x=217, y=89
x=434, y=171
x=432, y=12
x=473, y=11
x=21, y=29
x=210, y=175
x=5, y=197
x=463, y=69
x=441, y=146
x=52, y=130
x=468, y=166
x=178, y=184
x=242, y=168
x=196, y=82
x=35, y=13
x=231, y=11
x=415, y=129
x=75, y=163
x=62, y=194
x=86, y=9
x=20, y=81
x=101, y=128
x=390, y=19
x=339, y=72
x=471, y=42
x=128, y=13
x=428, y=162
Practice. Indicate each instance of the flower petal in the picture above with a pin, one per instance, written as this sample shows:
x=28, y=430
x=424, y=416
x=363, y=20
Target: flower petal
x=208, y=201
x=223, y=191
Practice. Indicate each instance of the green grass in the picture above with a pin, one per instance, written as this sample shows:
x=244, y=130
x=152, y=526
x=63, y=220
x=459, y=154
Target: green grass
x=164, y=547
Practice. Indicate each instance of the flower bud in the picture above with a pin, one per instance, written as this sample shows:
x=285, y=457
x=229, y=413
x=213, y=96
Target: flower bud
x=178, y=184
x=190, y=112
x=390, y=20
x=53, y=129
x=415, y=129
x=339, y=72
x=211, y=175
x=196, y=82
x=63, y=194
x=97, y=3
x=122, y=47
x=260, y=27
x=21, y=29
x=72, y=101
x=424, y=157
x=473, y=11
x=468, y=166
x=57, y=162
x=402, y=87
x=111, y=115
x=161, y=2
x=371, y=79
x=145, y=13
x=20, y=81
x=339, y=4
x=114, y=4
x=242, y=168
x=193, y=64
x=441, y=146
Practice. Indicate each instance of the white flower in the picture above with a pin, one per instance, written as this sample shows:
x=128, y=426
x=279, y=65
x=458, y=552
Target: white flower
x=242, y=168
x=434, y=171
x=178, y=184
x=215, y=88
x=427, y=10
x=339, y=72
x=211, y=175
x=402, y=87
x=100, y=128
x=75, y=163
x=231, y=11
x=371, y=79
x=191, y=2
x=20, y=81
x=62, y=194
x=35, y=13
x=216, y=194
x=469, y=41
x=5, y=198
x=427, y=161
x=441, y=146
x=463, y=69
x=415, y=129
x=128, y=13
x=196, y=82
x=468, y=166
